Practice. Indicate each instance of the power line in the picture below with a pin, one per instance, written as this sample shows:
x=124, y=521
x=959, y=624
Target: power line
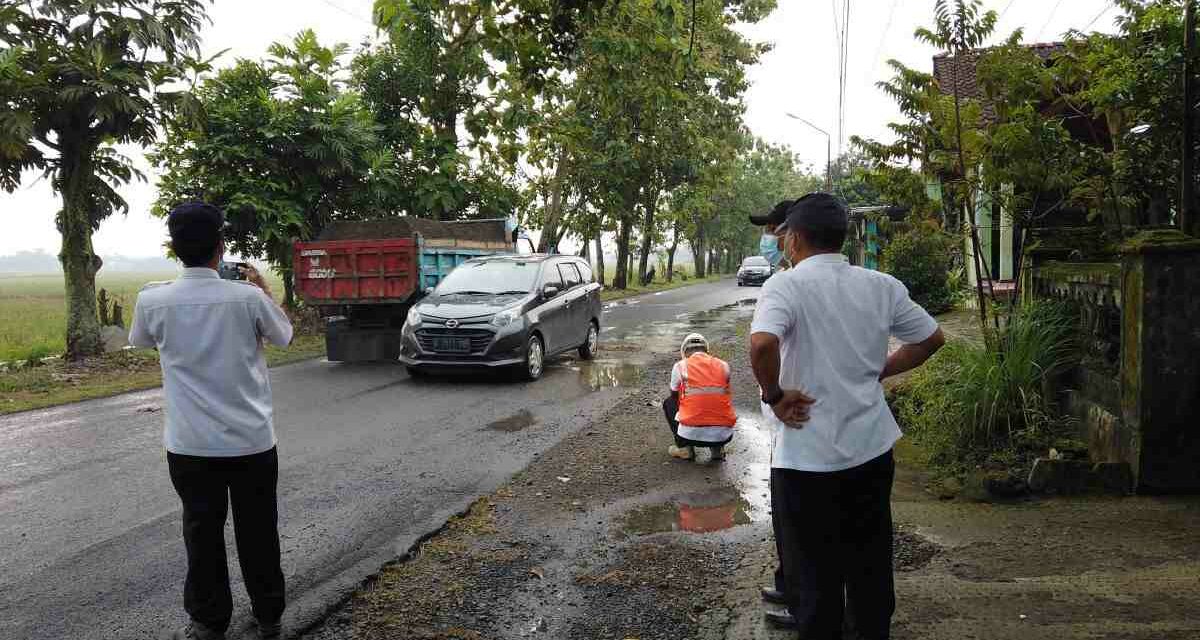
x=887, y=27
x=1007, y=7
x=1107, y=6
x=845, y=73
x=1053, y=11
x=331, y=4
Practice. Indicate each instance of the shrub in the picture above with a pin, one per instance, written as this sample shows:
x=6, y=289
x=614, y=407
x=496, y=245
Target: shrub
x=921, y=258
x=974, y=405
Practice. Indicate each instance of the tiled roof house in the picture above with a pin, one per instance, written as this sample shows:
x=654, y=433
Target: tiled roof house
x=995, y=226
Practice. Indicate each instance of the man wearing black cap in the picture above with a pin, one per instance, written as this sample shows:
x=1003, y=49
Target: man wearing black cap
x=219, y=434
x=819, y=347
x=771, y=248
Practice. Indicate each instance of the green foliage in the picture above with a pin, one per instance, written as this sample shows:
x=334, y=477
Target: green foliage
x=282, y=147
x=424, y=114
x=647, y=111
x=972, y=405
x=1114, y=84
x=921, y=258
x=77, y=78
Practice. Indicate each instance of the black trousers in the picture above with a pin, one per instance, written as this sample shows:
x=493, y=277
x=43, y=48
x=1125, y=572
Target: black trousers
x=671, y=409
x=835, y=537
x=207, y=487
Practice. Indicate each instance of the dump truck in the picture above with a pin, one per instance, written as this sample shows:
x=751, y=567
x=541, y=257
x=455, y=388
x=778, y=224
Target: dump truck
x=364, y=276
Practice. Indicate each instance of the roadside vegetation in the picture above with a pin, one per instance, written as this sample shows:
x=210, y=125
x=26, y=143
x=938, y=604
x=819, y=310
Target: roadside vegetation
x=35, y=376
x=60, y=381
x=988, y=407
x=33, y=316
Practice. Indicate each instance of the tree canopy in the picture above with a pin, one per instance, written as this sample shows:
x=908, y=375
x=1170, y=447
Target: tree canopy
x=76, y=79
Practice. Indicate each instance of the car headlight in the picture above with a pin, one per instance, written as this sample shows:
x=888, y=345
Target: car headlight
x=505, y=318
x=414, y=317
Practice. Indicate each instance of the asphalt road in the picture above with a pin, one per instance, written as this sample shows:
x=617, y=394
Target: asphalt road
x=370, y=462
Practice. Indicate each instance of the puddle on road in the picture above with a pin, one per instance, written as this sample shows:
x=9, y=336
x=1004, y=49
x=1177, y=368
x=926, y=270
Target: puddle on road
x=747, y=302
x=516, y=422
x=704, y=512
x=606, y=374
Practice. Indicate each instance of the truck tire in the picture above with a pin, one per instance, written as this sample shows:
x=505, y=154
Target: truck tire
x=591, y=346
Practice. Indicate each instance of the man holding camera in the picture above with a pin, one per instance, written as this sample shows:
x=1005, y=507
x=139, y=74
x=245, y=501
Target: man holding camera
x=219, y=434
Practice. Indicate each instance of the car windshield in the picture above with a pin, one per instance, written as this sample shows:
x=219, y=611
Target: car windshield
x=489, y=278
x=755, y=261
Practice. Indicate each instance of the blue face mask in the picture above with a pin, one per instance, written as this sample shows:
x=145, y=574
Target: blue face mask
x=768, y=247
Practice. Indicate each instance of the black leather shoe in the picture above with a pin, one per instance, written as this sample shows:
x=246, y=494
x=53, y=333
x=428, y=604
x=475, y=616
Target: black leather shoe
x=269, y=630
x=774, y=596
x=780, y=619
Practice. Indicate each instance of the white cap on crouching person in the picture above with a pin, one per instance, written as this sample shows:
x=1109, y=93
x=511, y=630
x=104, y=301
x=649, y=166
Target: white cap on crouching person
x=692, y=342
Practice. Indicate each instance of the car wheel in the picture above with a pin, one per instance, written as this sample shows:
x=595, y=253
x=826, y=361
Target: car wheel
x=591, y=347
x=535, y=359
x=740, y=284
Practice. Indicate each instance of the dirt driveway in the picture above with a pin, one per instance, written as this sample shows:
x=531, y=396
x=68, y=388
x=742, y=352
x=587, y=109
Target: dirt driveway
x=606, y=537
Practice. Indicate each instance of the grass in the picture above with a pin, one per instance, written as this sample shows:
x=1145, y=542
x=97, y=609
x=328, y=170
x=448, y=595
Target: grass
x=974, y=405
x=58, y=382
x=33, y=309
x=609, y=294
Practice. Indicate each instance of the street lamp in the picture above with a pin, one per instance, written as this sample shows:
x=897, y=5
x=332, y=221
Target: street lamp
x=828, y=149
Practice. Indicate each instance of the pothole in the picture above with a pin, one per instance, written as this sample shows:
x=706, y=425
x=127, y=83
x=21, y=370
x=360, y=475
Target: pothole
x=703, y=512
x=911, y=551
x=516, y=422
x=606, y=374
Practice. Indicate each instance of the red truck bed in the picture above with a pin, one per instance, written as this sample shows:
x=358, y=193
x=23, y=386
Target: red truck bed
x=337, y=272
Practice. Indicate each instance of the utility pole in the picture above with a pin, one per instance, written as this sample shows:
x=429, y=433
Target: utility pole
x=828, y=151
x=1188, y=221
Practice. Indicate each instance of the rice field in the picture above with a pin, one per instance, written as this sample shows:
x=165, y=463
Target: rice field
x=33, y=309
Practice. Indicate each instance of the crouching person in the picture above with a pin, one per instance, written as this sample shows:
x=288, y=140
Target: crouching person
x=700, y=407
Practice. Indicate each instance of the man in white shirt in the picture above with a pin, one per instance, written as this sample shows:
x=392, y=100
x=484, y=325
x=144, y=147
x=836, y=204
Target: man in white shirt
x=219, y=434
x=819, y=348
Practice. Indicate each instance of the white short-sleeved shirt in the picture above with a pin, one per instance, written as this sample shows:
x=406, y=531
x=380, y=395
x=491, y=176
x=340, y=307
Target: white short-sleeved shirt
x=699, y=433
x=209, y=334
x=833, y=321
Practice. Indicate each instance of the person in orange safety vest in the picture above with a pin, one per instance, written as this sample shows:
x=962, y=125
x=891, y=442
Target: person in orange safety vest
x=700, y=407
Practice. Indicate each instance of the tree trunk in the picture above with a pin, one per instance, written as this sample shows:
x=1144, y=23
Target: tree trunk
x=968, y=208
x=671, y=254
x=647, y=231
x=289, y=288
x=585, y=251
x=553, y=210
x=78, y=259
x=600, y=257
x=621, y=277
x=698, y=253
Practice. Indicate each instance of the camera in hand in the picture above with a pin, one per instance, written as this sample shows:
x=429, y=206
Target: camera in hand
x=232, y=270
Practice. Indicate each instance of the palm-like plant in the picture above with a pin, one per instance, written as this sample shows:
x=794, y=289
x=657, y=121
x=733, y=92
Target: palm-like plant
x=76, y=78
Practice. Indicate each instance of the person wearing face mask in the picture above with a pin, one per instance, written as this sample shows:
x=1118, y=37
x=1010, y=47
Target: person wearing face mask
x=819, y=348
x=769, y=246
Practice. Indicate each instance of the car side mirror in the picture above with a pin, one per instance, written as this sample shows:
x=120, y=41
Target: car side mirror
x=549, y=291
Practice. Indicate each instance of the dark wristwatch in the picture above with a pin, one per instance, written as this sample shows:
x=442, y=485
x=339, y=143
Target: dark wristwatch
x=773, y=399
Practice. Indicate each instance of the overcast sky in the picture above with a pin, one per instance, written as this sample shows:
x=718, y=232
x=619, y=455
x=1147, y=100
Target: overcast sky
x=798, y=76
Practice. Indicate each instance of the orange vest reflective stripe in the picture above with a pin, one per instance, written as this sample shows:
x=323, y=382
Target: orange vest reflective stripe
x=705, y=399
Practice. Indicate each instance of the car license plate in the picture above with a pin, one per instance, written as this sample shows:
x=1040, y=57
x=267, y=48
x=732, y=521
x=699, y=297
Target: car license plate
x=451, y=345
